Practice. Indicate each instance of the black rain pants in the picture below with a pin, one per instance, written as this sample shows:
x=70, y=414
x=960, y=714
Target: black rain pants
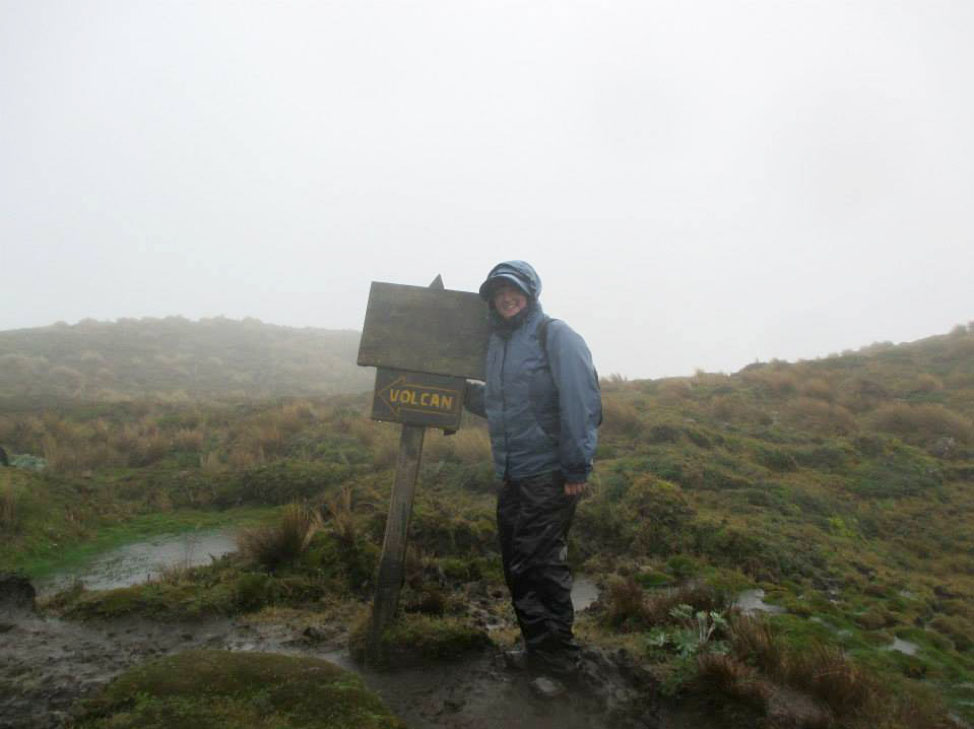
x=533, y=518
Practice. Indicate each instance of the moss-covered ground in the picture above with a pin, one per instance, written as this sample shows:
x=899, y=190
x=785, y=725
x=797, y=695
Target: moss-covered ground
x=221, y=690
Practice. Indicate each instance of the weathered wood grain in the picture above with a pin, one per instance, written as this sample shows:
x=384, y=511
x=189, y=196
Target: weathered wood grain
x=422, y=329
x=392, y=564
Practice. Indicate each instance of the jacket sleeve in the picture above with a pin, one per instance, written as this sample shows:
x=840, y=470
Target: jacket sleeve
x=579, y=400
x=473, y=398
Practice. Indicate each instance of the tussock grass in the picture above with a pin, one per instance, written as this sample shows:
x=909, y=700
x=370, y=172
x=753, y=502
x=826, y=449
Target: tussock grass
x=342, y=516
x=761, y=659
x=628, y=607
x=280, y=544
x=719, y=673
x=8, y=502
x=923, y=424
x=468, y=446
x=620, y=418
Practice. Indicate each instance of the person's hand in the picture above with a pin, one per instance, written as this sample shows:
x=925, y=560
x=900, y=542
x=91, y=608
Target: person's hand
x=574, y=489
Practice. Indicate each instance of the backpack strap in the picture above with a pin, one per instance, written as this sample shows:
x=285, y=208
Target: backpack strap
x=543, y=333
x=543, y=338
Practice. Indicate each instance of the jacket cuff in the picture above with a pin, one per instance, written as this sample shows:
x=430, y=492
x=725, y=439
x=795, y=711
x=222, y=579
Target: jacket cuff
x=576, y=476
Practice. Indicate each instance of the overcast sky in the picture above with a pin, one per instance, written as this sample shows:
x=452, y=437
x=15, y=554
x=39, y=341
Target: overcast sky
x=699, y=184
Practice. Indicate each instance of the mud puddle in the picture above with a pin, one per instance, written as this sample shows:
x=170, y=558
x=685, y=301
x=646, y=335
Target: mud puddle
x=142, y=561
x=482, y=694
x=47, y=664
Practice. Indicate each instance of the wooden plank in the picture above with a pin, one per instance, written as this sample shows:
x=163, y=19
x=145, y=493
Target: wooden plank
x=392, y=564
x=417, y=398
x=420, y=329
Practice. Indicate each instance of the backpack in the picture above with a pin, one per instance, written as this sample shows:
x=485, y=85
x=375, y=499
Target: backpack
x=543, y=338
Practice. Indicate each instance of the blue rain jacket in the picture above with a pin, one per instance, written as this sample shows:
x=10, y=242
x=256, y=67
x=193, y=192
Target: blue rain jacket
x=542, y=408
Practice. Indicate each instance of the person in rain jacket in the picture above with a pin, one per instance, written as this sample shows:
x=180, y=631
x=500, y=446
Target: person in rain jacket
x=543, y=407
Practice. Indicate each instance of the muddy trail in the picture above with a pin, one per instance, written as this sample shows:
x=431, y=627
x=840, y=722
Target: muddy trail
x=47, y=664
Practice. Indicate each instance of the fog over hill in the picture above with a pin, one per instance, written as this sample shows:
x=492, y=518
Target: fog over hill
x=174, y=358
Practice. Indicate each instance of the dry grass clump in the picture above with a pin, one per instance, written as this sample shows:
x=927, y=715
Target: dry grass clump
x=756, y=641
x=472, y=445
x=818, y=389
x=613, y=382
x=863, y=394
x=820, y=417
x=243, y=457
x=729, y=676
x=381, y=438
x=674, y=390
x=188, y=439
x=211, y=463
x=625, y=606
x=362, y=429
x=620, y=417
x=734, y=408
x=923, y=424
x=927, y=383
x=8, y=503
x=469, y=445
x=629, y=608
x=385, y=448
x=777, y=382
x=340, y=508
x=826, y=673
x=294, y=416
x=853, y=697
x=279, y=544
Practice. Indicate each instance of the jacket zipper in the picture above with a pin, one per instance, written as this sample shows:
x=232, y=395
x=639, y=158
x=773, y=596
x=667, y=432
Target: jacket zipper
x=507, y=450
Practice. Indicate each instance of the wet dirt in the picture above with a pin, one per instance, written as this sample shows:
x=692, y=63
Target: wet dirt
x=47, y=664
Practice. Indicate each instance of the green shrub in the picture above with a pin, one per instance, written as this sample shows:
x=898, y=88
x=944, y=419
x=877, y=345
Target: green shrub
x=776, y=459
x=900, y=472
x=254, y=590
x=828, y=457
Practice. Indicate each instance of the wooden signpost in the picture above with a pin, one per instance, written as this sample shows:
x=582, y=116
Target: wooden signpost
x=425, y=343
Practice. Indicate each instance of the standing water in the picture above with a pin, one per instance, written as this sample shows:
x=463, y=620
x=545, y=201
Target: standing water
x=141, y=561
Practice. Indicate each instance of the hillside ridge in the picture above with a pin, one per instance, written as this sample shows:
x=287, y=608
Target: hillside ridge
x=174, y=358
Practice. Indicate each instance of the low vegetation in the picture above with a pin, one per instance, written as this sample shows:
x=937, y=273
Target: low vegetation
x=174, y=359
x=840, y=487
x=223, y=690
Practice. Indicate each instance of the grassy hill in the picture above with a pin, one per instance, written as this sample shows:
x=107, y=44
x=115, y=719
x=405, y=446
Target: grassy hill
x=175, y=359
x=842, y=487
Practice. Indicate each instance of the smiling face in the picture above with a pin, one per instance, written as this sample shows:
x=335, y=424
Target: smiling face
x=509, y=300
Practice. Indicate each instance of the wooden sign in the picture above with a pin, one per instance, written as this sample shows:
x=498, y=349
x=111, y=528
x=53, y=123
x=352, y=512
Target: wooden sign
x=417, y=398
x=420, y=329
x=424, y=342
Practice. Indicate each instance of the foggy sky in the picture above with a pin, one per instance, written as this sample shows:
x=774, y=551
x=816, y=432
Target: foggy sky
x=699, y=184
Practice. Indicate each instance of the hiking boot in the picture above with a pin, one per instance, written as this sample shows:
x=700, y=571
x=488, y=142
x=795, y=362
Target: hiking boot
x=561, y=664
x=545, y=687
x=517, y=660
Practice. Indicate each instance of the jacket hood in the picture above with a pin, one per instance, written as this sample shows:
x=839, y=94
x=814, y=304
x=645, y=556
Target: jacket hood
x=519, y=273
